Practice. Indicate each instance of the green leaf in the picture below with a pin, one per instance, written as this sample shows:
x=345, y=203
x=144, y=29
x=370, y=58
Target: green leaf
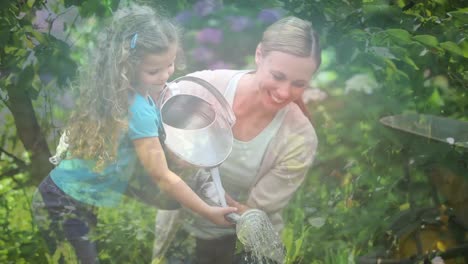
x=399, y=34
x=25, y=77
x=452, y=47
x=401, y=74
x=440, y=81
x=464, y=48
x=39, y=36
x=358, y=34
x=31, y=3
x=435, y=98
x=298, y=246
x=390, y=64
x=461, y=14
x=372, y=9
x=382, y=51
x=317, y=222
x=410, y=62
x=427, y=40
x=10, y=49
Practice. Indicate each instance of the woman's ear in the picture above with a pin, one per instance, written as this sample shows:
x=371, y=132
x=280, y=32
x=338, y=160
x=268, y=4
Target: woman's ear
x=258, y=54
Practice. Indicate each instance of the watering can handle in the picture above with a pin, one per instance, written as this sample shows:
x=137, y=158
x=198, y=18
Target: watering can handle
x=224, y=103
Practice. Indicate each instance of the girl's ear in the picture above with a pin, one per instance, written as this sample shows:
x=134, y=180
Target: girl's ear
x=132, y=78
x=258, y=54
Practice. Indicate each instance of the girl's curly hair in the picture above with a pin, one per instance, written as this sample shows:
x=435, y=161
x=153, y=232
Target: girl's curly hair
x=104, y=83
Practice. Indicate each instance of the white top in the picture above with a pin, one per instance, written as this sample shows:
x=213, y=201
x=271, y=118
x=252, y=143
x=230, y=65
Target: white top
x=238, y=171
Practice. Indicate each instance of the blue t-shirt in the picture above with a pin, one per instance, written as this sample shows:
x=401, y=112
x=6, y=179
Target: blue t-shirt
x=76, y=176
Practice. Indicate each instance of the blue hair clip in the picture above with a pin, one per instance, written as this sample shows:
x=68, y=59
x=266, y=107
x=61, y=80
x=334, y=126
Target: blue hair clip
x=133, y=41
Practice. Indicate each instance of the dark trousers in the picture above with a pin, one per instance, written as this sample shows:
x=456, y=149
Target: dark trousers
x=223, y=250
x=215, y=251
x=61, y=217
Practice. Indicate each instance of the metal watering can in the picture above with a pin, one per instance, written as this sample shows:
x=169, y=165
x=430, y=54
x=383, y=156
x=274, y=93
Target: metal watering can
x=197, y=122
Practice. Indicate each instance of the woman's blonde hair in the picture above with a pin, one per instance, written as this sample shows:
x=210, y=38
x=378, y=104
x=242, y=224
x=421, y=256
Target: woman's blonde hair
x=294, y=36
x=104, y=83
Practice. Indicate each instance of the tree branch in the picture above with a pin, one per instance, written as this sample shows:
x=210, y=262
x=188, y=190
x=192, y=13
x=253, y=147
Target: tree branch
x=17, y=160
x=10, y=173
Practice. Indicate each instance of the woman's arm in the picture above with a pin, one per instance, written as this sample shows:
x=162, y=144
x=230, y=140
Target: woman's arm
x=241, y=208
x=293, y=152
x=153, y=159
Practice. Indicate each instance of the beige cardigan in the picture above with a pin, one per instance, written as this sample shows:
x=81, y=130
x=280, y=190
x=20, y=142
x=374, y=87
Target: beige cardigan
x=287, y=159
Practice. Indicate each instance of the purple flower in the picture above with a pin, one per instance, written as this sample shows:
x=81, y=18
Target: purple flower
x=270, y=15
x=210, y=35
x=220, y=65
x=239, y=23
x=46, y=78
x=58, y=26
x=183, y=17
x=41, y=21
x=206, y=7
x=202, y=54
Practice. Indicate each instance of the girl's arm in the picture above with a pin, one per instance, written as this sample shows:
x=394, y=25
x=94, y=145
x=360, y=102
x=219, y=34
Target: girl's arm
x=153, y=159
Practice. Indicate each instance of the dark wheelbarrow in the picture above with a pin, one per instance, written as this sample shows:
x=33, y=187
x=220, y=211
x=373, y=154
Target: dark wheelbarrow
x=439, y=145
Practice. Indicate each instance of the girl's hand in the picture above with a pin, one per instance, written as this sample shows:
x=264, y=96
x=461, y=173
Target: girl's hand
x=217, y=215
x=241, y=208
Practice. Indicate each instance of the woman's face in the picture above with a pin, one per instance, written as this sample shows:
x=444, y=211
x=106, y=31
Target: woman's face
x=155, y=70
x=282, y=77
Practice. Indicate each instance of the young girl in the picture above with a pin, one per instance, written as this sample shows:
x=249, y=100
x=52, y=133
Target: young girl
x=114, y=129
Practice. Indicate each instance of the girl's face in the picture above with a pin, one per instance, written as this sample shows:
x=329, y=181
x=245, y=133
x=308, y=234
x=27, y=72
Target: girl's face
x=282, y=77
x=155, y=70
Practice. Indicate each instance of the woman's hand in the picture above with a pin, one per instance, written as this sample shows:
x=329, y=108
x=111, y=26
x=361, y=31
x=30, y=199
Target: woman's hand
x=241, y=208
x=217, y=215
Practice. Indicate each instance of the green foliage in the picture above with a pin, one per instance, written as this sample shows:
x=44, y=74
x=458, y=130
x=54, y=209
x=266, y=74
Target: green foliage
x=380, y=58
x=126, y=234
x=389, y=60
x=19, y=242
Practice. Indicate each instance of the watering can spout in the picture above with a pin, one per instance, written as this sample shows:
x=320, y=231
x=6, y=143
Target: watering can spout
x=233, y=218
x=253, y=227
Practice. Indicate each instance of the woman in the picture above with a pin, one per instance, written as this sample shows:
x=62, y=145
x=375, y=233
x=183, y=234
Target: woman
x=274, y=142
